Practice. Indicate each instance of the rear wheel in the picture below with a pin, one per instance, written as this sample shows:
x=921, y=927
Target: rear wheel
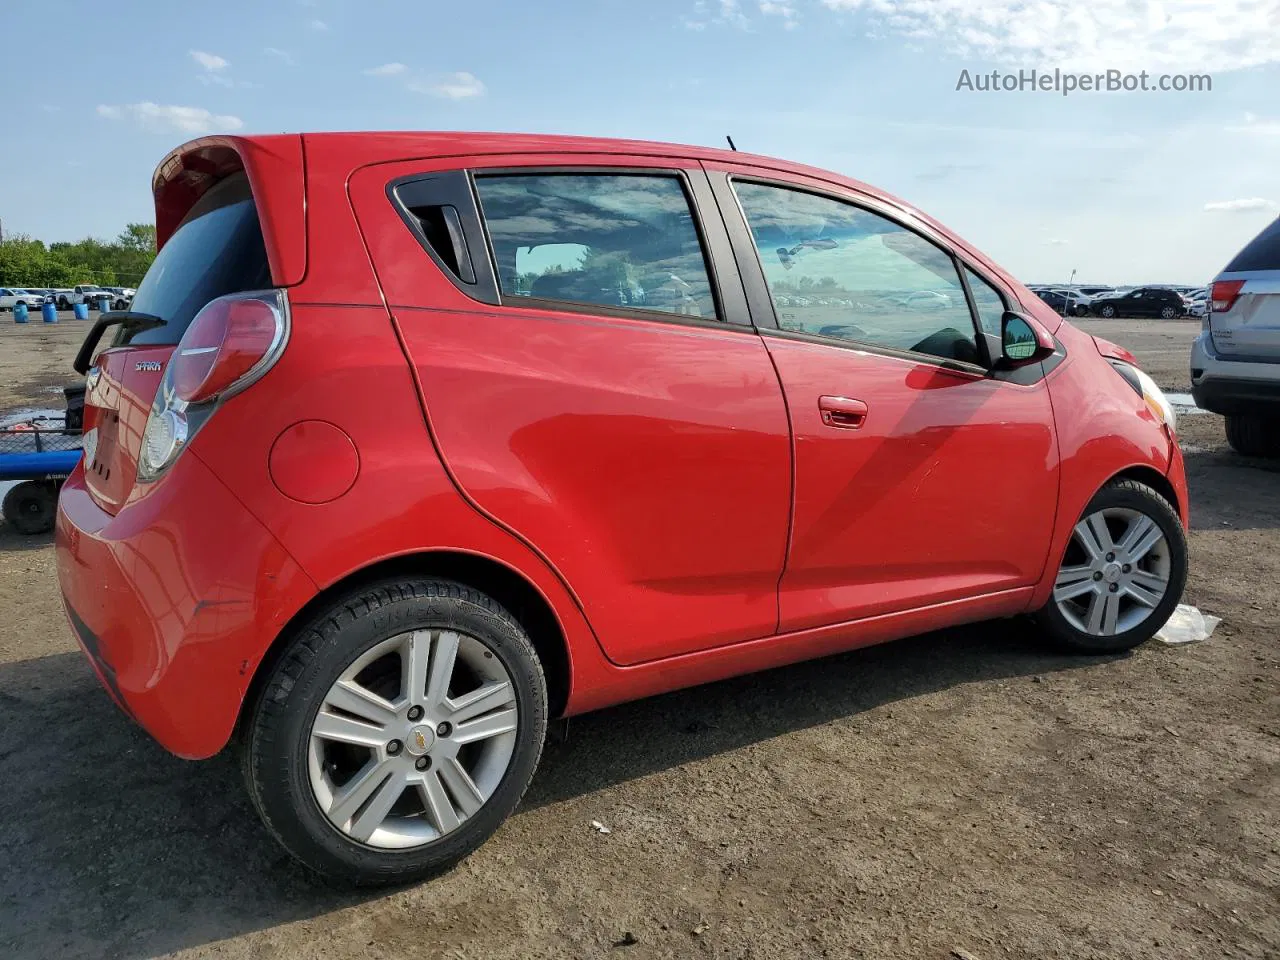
x=1122, y=573
x=396, y=732
x=1167, y=313
x=30, y=507
x=1254, y=436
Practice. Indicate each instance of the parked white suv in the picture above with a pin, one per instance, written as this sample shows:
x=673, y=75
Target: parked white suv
x=1235, y=362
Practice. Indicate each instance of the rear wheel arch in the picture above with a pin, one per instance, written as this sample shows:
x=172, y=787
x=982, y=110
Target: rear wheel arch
x=510, y=588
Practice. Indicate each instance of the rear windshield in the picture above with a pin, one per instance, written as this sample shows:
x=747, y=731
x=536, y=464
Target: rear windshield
x=216, y=250
x=1262, y=253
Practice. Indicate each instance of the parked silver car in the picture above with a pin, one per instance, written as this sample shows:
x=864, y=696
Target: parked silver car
x=1235, y=362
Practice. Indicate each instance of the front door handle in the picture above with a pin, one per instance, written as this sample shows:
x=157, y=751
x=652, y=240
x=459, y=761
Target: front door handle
x=842, y=412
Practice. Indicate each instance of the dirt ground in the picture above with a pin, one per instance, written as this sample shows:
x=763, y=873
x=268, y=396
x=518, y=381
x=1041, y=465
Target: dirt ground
x=961, y=791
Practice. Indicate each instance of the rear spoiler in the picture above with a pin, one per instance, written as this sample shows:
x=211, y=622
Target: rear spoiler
x=274, y=166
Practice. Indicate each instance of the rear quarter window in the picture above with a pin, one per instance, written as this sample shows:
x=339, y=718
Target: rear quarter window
x=1261, y=253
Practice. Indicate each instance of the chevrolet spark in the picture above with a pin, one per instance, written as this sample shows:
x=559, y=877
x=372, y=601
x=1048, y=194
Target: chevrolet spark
x=410, y=443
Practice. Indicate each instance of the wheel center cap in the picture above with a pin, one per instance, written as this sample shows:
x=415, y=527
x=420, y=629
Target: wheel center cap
x=1111, y=573
x=420, y=740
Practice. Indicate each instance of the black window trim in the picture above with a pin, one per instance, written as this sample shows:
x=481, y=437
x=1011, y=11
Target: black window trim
x=726, y=288
x=449, y=188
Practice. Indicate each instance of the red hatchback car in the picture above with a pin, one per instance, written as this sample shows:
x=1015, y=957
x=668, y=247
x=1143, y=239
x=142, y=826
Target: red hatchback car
x=412, y=442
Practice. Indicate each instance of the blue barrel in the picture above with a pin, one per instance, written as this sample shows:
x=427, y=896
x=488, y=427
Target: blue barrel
x=81, y=311
x=49, y=313
x=19, y=313
x=104, y=304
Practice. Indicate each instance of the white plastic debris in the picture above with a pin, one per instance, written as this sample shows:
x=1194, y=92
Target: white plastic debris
x=599, y=827
x=1187, y=625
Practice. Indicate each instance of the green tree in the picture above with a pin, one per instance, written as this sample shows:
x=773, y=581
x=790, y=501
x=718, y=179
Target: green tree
x=25, y=261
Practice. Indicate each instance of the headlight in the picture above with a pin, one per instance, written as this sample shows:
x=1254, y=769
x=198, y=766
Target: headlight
x=1146, y=388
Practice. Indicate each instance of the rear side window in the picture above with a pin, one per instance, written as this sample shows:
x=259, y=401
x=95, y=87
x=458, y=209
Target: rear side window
x=1262, y=252
x=216, y=250
x=611, y=241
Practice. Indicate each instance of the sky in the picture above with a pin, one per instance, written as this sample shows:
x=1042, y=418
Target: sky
x=1117, y=187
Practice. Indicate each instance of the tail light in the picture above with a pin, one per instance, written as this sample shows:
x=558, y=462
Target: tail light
x=229, y=345
x=1224, y=295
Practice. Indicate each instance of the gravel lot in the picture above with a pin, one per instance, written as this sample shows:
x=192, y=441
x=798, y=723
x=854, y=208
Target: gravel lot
x=960, y=791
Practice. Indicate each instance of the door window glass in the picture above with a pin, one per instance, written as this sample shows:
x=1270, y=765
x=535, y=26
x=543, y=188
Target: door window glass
x=838, y=270
x=613, y=241
x=989, y=304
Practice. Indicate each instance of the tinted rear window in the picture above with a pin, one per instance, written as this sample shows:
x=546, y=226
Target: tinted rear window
x=1262, y=252
x=216, y=250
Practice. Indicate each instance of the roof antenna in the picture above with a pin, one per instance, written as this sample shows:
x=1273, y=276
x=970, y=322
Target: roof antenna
x=731, y=146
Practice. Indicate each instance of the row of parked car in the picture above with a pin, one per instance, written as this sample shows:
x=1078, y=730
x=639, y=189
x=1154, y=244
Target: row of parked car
x=1164, y=302
x=64, y=299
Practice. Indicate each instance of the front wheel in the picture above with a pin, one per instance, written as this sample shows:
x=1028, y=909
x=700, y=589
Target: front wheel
x=1108, y=312
x=396, y=732
x=1121, y=575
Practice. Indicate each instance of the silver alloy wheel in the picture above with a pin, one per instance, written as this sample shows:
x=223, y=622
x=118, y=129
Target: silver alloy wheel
x=1115, y=572
x=413, y=738
x=1167, y=313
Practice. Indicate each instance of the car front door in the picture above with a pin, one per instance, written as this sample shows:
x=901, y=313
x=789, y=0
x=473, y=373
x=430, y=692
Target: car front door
x=920, y=476
x=593, y=381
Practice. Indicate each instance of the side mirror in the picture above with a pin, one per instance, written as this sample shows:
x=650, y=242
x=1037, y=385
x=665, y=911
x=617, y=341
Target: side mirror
x=1022, y=341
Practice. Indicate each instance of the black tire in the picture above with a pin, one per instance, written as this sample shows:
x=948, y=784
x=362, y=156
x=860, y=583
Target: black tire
x=275, y=740
x=30, y=508
x=1130, y=494
x=64, y=303
x=1254, y=436
x=120, y=305
x=1108, y=312
x=1167, y=313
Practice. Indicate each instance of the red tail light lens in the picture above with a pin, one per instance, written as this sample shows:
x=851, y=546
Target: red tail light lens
x=230, y=344
x=1224, y=294
x=224, y=342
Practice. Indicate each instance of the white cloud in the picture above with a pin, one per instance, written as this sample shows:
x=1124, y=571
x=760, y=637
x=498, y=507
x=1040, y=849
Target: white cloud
x=726, y=12
x=1255, y=125
x=1056, y=242
x=284, y=56
x=1172, y=35
x=453, y=86
x=155, y=116
x=387, y=70
x=319, y=25
x=1244, y=205
x=780, y=8
x=210, y=61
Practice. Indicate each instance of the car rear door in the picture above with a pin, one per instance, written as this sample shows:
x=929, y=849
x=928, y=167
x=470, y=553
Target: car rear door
x=921, y=478
x=593, y=383
x=1247, y=327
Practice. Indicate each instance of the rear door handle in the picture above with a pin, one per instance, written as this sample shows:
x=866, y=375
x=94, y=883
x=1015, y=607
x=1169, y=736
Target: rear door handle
x=842, y=412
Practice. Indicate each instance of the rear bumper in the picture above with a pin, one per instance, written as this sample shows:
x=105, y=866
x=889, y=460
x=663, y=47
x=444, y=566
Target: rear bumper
x=174, y=601
x=1233, y=387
